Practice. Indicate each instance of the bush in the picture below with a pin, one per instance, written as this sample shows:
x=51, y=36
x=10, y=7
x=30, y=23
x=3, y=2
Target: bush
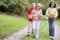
x=43, y=11
x=19, y=6
x=11, y=8
x=3, y=8
x=14, y=6
x=58, y=13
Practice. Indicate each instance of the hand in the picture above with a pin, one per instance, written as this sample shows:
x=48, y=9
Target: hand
x=40, y=16
x=30, y=17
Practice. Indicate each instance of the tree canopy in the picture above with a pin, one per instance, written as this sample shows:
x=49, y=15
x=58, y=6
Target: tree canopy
x=19, y=6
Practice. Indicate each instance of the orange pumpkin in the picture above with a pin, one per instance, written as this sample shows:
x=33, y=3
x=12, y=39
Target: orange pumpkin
x=39, y=15
x=33, y=16
x=51, y=14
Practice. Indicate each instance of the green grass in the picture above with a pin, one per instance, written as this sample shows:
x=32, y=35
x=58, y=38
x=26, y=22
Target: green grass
x=58, y=21
x=43, y=32
x=10, y=24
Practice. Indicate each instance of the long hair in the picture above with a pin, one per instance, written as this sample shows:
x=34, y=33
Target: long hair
x=51, y=3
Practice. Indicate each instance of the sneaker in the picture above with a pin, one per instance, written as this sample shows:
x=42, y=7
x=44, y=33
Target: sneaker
x=52, y=38
x=28, y=34
x=36, y=37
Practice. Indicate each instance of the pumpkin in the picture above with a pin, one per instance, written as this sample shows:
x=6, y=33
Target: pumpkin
x=39, y=15
x=33, y=16
x=51, y=14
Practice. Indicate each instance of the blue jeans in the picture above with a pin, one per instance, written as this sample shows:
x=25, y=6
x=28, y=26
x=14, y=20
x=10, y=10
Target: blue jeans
x=51, y=26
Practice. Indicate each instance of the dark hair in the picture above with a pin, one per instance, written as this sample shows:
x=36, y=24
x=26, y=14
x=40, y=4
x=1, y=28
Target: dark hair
x=32, y=2
x=51, y=3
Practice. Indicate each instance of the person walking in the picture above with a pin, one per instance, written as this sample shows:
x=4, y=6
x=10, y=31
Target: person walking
x=28, y=15
x=51, y=14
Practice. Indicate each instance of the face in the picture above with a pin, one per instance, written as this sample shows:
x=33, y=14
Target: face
x=37, y=7
x=52, y=5
x=33, y=5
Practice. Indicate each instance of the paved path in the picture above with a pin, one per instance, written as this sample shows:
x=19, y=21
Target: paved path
x=57, y=32
x=18, y=35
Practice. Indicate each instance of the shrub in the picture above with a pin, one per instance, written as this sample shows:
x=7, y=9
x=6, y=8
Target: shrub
x=58, y=13
x=43, y=11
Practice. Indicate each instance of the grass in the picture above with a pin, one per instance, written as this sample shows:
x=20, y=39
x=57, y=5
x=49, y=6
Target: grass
x=58, y=21
x=10, y=24
x=43, y=32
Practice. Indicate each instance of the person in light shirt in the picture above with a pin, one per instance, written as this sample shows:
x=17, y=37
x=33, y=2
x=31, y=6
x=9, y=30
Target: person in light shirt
x=37, y=15
x=51, y=13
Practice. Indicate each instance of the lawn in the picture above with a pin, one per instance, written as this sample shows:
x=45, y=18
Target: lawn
x=58, y=21
x=43, y=32
x=10, y=24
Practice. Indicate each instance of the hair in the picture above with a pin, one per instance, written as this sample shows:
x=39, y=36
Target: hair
x=51, y=3
x=32, y=2
x=39, y=5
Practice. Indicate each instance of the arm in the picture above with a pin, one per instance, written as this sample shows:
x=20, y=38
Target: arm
x=40, y=14
x=47, y=12
x=32, y=13
x=27, y=13
x=56, y=13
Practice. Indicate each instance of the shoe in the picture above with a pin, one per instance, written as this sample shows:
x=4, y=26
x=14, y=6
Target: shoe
x=52, y=38
x=28, y=34
x=36, y=37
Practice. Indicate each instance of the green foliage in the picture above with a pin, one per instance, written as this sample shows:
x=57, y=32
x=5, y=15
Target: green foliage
x=58, y=13
x=43, y=11
x=14, y=6
x=19, y=6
